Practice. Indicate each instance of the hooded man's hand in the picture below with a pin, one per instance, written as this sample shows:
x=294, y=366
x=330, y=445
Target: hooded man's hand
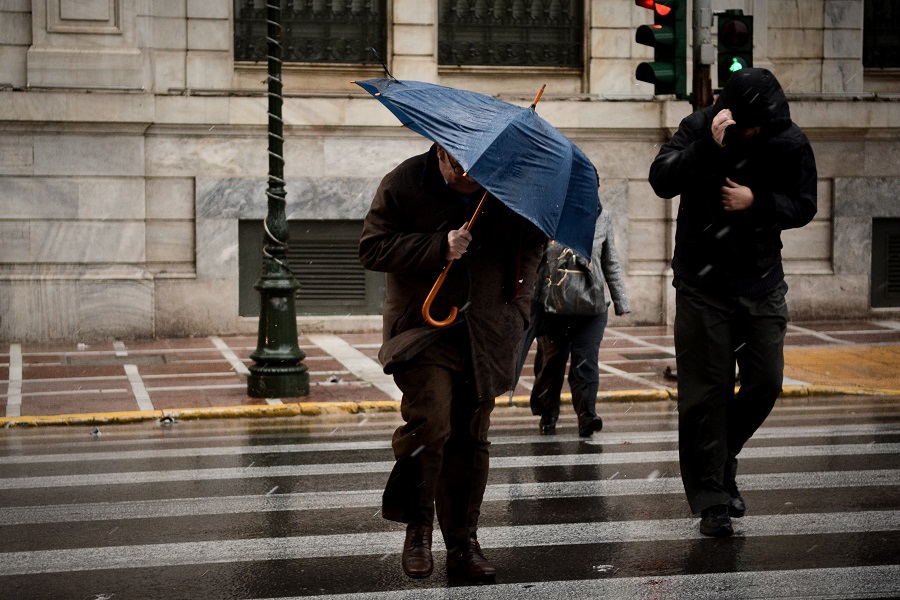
x=736, y=196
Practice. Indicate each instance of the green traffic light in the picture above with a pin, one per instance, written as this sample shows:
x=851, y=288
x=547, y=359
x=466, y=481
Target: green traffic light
x=736, y=65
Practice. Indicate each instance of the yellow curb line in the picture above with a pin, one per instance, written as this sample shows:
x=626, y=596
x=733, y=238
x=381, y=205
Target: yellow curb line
x=312, y=409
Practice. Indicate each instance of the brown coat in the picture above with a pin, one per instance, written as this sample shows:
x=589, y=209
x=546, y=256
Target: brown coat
x=405, y=236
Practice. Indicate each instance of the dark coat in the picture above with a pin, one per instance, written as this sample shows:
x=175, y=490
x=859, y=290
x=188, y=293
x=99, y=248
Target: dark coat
x=737, y=252
x=405, y=236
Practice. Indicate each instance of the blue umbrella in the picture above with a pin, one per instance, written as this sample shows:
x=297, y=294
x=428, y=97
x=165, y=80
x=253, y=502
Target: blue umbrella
x=511, y=151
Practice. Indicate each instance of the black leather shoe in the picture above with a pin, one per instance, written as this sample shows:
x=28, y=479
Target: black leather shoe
x=416, y=560
x=715, y=521
x=736, y=506
x=589, y=427
x=548, y=426
x=469, y=563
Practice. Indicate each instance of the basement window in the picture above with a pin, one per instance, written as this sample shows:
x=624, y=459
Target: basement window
x=885, y=263
x=324, y=258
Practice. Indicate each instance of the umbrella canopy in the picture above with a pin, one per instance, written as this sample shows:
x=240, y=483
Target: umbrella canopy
x=515, y=154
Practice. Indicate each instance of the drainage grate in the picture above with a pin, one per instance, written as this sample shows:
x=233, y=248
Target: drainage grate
x=105, y=360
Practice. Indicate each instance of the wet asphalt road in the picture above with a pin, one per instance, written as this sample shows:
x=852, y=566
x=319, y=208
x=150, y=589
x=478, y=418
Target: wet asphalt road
x=289, y=507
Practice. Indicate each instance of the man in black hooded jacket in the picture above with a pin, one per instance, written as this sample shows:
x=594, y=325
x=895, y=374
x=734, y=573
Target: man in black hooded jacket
x=745, y=172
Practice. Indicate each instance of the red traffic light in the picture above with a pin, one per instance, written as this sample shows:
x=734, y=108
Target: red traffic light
x=661, y=8
x=734, y=34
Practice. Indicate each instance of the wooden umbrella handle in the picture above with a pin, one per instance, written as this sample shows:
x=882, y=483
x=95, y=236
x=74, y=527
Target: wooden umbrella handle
x=426, y=307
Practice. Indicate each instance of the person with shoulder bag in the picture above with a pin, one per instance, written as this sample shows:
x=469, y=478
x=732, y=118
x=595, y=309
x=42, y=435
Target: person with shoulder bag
x=569, y=316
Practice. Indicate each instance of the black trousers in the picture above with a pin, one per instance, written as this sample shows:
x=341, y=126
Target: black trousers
x=562, y=337
x=712, y=333
x=442, y=449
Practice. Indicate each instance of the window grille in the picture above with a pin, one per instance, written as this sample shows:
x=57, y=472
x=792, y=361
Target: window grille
x=881, y=34
x=314, y=31
x=535, y=33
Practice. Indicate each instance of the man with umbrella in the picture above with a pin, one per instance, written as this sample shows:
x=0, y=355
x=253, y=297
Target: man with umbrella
x=449, y=375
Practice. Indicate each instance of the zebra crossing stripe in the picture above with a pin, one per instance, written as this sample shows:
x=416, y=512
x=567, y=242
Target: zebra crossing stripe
x=609, y=440
x=380, y=543
x=357, y=363
x=355, y=468
x=841, y=583
x=230, y=505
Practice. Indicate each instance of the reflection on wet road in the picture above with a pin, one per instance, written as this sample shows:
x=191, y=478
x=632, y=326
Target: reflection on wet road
x=289, y=508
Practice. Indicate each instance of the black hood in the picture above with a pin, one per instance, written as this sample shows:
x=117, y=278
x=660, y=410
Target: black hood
x=756, y=99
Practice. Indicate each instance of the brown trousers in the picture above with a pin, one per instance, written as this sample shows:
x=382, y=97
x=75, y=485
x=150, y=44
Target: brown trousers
x=442, y=449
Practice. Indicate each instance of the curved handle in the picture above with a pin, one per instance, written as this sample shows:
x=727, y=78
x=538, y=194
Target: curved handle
x=426, y=306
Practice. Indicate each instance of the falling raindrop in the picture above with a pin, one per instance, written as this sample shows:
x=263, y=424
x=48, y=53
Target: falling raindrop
x=653, y=476
x=417, y=450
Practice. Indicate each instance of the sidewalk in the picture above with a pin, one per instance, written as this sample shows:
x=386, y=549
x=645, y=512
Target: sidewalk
x=125, y=380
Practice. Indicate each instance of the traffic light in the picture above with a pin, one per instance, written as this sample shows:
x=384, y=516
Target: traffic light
x=735, y=43
x=668, y=38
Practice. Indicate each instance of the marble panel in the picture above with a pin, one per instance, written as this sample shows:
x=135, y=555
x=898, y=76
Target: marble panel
x=217, y=249
x=647, y=240
x=254, y=111
x=825, y=199
x=611, y=43
x=843, y=43
x=13, y=61
x=15, y=242
x=169, y=8
x=16, y=6
x=115, y=308
x=418, y=68
x=186, y=307
x=15, y=28
x=210, y=156
x=811, y=242
x=615, y=77
x=170, y=198
x=796, y=13
x=643, y=203
x=170, y=241
x=18, y=107
x=415, y=40
x=110, y=108
x=208, y=9
x=109, y=67
x=839, y=158
x=168, y=71
x=883, y=159
x=111, y=198
x=169, y=33
x=38, y=310
x=191, y=110
x=848, y=297
x=609, y=15
x=87, y=242
x=86, y=155
x=842, y=76
x=16, y=155
x=845, y=14
x=868, y=197
x=361, y=157
x=414, y=11
x=852, y=245
x=38, y=198
x=208, y=34
x=209, y=70
x=795, y=43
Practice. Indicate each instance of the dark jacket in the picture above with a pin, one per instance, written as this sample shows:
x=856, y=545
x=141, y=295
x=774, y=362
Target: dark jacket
x=737, y=252
x=405, y=236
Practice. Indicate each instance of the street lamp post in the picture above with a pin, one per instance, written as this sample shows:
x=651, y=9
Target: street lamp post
x=278, y=371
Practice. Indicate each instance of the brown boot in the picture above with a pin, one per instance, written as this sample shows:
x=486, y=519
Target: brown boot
x=416, y=560
x=469, y=563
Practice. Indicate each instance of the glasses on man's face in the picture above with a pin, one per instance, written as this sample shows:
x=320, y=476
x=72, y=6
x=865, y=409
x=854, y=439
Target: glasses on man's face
x=457, y=168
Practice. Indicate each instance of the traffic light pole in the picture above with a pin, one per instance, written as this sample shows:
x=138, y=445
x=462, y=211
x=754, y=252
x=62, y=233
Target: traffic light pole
x=704, y=54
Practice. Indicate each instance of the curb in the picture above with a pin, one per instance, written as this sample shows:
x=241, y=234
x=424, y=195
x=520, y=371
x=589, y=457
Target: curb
x=313, y=409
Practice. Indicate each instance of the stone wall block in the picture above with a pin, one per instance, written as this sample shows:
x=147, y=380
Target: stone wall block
x=882, y=159
x=852, y=245
x=111, y=198
x=209, y=70
x=811, y=242
x=87, y=242
x=38, y=310
x=209, y=9
x=869, y=196
x=795, y=13
x=15, y=242
x=843, y=43
x=38, y=198
x=13, y=70
x=206, y=34
x=221, y=157
x=16, y=155
x=114, y=308
x=420, y=40
x=843, y=14
x=217, y=249
x=170, y=198
x=169, y=71
x=86, y=155
x=169, y=34
x=184, y=307
x=414, y=11
x=15, y=28
x=170, y=241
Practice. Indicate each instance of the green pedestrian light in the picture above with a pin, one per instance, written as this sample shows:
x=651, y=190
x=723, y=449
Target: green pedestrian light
x=735, y=43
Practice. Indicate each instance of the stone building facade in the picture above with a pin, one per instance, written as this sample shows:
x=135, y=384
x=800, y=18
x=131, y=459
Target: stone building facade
x=133, y=158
